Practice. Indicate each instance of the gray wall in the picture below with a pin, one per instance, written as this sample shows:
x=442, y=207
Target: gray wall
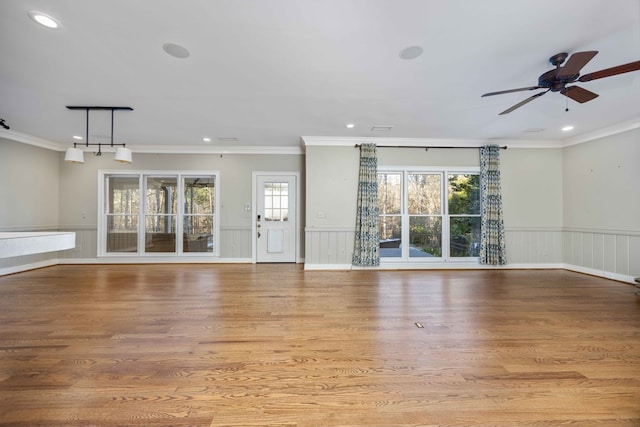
x=79, y=187
x=28, y=197
x=602, y=206
x=532, y=187
x=28, y=187
x=602, y=183
x=79, y=183
x=577, y=206
x=532, y=197
x=41, y=192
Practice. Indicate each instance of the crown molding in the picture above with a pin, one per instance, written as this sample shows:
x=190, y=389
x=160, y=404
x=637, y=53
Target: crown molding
x=602, y=133
x=334, y=141
x=157, y=149
x=337, y=141
x=31, y=140
x=214, y=149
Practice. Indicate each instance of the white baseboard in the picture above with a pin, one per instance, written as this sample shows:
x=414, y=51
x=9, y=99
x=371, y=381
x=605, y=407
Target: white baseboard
x=434, y=266
x=318, y=267
x=600, y=273
x=155, y=260
x=27, y=267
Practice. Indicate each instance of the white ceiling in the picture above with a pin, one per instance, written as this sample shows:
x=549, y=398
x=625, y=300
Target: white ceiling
x=270, y=71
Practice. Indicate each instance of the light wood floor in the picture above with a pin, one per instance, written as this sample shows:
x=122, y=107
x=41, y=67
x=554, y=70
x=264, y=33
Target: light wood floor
x=273, y=345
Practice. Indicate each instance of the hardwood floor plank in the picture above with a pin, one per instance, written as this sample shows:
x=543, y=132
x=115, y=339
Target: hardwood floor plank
x=274, y=345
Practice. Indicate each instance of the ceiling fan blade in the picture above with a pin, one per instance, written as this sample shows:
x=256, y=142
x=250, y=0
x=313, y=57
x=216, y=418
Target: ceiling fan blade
x=579, y=94
x=513, y=90
x=576, y=62
x=613, y=71
x=520, y=104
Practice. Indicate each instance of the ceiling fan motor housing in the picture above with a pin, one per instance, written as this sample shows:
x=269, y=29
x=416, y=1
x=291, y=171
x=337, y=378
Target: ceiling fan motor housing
x=551, y=80
x=554, y=83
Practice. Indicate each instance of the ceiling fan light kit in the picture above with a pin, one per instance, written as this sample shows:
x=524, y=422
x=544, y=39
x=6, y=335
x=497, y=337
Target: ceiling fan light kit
x=556, y=80
x=76, y=155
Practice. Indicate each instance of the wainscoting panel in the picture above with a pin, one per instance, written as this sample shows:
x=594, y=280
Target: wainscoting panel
x=611, y=254
x=614, y=254
x=235, y=242
x=329, y=246
x=533, y=246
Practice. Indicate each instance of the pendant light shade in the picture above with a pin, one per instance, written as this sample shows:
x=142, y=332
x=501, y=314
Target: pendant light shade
x=74, y=155
x=123, y=155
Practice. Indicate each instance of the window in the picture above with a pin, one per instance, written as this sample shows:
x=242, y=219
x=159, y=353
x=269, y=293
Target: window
x=276, y=201
x=160, y=213
x=428, y=215
x=146, y=213
x=123, y=213
x=199, y=213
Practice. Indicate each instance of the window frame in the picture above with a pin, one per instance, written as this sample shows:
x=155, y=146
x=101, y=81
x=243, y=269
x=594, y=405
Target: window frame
x=142, y=175
x=444, y=172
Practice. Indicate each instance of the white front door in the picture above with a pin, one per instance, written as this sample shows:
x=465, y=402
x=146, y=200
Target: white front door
x=276, y=218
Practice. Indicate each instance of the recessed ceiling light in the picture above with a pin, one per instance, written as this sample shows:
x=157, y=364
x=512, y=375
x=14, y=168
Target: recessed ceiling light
x=45, y=20
x=567, y=128
x=77, y=137
x=176, y=50
x=381, y=128
x=228, y=138
x=411, y=52
x=350, y=125
x=206, y=139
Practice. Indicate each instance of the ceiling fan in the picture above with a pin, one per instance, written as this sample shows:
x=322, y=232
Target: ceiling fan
x=556, y=80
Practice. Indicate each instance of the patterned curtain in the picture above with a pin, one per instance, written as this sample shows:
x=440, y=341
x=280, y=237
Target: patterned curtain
x=492, y=247
x=366, y=245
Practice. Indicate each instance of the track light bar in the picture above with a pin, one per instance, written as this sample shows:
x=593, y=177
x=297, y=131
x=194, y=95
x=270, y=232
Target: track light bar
x=75, y=155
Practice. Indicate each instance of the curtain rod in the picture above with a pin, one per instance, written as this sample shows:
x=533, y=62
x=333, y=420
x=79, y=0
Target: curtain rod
x=426, y=147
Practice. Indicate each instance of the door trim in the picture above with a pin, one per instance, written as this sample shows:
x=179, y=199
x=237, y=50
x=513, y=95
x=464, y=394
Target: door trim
x=254, y=212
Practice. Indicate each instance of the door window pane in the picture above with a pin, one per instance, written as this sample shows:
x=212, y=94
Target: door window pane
x=276, y=201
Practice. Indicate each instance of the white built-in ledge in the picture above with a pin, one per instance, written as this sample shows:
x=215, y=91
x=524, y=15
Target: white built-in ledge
x=27, y=243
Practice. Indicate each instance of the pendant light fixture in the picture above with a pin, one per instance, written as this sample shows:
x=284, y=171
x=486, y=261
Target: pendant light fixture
x=76, y=155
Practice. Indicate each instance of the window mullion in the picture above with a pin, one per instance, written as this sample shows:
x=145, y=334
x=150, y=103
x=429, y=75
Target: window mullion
x=404, y=235
x=446, y=219
x=142, y=211
x=179, y=213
